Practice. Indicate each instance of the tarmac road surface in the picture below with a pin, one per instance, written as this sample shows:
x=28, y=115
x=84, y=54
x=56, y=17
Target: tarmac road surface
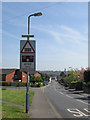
x=67, y=104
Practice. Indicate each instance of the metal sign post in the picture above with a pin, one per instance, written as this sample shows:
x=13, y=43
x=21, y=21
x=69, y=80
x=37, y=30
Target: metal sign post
x=27, y=57
x=27, y=94
x=27, y=61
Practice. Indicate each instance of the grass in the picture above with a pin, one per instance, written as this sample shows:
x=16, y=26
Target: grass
x=9, y=111
x=16, y=96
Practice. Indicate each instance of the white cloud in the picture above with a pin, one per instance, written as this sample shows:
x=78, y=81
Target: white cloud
x=62, y=34
x=9, y=34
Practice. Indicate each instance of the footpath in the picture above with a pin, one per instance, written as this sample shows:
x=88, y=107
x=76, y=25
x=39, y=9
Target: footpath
x=41, y=107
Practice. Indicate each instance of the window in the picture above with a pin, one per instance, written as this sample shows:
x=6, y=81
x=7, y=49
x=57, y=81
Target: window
x=23, y=75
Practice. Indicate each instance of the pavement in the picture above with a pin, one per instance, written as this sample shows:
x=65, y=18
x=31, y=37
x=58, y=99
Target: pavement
x=41, y=106
x=9, y=103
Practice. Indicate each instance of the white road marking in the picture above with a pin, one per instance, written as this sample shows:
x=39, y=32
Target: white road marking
x=77, y=113
x=80, y=95
x=82, y=102
x=61, y=93
x=69, y=96
x=87, y=111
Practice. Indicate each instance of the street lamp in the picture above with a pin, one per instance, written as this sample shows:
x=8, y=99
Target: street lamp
x=27, y=93
x=35, y=14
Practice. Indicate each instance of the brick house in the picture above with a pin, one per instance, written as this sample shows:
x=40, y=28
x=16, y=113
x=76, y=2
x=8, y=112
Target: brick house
x=4, y=72
x=20, y=77
x=11, y=75
x=37, y=74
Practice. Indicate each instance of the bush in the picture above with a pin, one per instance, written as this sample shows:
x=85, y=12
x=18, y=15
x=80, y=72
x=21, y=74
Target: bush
x=79, y=85
x=16, y=84
x=4, y=83
x=72, y=85
x=88, y=85
x=41, y=85
x=45, y=83
x=20, y=84
x=32, y=85
x=38, y=85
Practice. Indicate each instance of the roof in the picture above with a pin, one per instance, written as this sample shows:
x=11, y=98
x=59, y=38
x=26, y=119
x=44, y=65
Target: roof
x=6, y=71
x=33, y=72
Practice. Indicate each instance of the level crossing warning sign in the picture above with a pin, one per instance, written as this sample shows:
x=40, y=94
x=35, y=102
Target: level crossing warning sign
x=27, y=48
x=27, y=55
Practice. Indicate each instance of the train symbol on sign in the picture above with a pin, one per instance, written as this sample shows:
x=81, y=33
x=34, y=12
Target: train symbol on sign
x=27, y=48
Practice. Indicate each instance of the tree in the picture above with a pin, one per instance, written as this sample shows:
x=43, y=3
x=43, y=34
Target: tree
x=38, y=79
x=45, y=76
x=62, y=74
x=32, y=79
x=70, y=78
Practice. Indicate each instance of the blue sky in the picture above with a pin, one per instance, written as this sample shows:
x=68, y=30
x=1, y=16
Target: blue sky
x=61, y=33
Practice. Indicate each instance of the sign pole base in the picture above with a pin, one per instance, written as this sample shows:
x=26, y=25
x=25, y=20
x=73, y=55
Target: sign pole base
x=27, y=94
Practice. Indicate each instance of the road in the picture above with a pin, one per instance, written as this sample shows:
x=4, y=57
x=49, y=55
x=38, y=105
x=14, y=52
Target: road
x=64, y=103
x=67, y=104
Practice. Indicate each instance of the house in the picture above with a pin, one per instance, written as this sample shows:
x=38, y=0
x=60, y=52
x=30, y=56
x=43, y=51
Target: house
x=37, y=74
x=16, y=75
x=4, y=72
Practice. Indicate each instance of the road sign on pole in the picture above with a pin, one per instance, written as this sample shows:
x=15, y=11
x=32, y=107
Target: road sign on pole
x=27, y=55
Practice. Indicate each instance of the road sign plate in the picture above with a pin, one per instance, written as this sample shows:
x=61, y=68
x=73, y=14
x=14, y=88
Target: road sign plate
x=27, y=48
x=27, y=55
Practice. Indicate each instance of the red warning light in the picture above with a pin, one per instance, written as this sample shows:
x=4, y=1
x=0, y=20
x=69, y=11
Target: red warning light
x=24, y=57
x=30, y=57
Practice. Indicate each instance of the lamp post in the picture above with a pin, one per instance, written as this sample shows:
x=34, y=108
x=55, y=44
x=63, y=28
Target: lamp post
x=27, y=93
x=35, y=14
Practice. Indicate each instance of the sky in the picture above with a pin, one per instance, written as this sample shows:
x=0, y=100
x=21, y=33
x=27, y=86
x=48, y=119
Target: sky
x=61, y=34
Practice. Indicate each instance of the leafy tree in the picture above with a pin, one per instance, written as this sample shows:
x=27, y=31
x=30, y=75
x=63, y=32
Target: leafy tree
x=70, y=78
x=62, y=74
x=38, y=79
x=42, y=75
x=45, y=76
x=32, y=79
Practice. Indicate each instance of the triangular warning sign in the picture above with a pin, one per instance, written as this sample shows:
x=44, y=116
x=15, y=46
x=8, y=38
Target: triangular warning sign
x=27, y=48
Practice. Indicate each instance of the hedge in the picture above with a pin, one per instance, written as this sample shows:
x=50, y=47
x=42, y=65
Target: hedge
x=20, y=84
x=4, y=83
x=16, y=84
x=72, y=85
x=40, y=84
x=79, y=85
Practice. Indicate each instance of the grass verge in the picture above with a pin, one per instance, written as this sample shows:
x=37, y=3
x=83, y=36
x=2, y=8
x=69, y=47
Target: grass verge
x=9, y=111
x=16, y=96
